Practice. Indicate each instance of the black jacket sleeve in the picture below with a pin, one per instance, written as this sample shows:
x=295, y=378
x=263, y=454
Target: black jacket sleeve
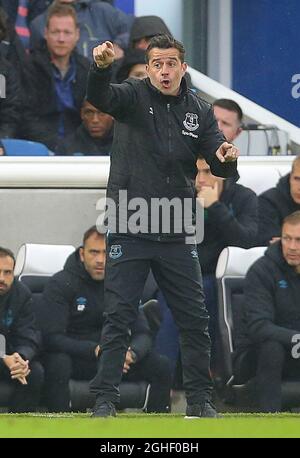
x=269, y=220
x=11, y=104
x=238, y=228
x=56, y=302
x=259, y=308
x=115, y=99
x=24, y=333
x=141, y=340
x=210, y=142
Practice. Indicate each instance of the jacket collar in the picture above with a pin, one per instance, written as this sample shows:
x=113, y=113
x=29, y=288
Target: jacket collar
x=169, y=98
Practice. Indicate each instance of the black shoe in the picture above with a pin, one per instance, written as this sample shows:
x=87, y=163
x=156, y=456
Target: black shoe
x=206, y=410
x=104, y=409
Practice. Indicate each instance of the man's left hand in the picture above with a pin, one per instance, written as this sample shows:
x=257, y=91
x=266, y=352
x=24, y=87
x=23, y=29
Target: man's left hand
x=227, y=153
x=209, y=195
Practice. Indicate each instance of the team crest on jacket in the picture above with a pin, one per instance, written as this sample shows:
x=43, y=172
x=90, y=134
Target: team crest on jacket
x=191, y=122
x=115, y=251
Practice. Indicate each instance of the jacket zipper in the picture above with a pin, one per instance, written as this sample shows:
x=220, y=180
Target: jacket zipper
x=169, y=137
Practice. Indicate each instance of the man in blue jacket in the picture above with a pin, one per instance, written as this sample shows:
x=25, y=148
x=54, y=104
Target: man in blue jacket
x=267, y=345
x=160, y=128
x=18, y=366
x=73, y=311
x=98, y=21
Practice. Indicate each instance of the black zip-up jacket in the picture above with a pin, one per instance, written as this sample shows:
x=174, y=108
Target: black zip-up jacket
x=232, y=221
x=73, y=306
x=17, y=322
x=271, y=305
x=274, y=205
x=157, y=138
x=42, y=116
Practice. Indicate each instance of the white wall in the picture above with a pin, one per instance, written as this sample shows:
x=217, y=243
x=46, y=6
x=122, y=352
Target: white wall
x=169, y=10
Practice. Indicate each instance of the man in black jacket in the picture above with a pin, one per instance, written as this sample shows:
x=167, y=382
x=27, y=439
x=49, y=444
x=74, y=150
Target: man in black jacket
x=73, y=317
x=56, y=81
x=93, y=137
x=17, y=324
x=230, y=219
x=277, y=203
x=271, y=324
x=160, y=128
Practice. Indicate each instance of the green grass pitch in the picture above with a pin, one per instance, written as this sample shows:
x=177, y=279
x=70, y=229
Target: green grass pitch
x=148, y=426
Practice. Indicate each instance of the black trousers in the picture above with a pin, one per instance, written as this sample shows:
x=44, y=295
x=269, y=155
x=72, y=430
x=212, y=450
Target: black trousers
x=177, y=271
x=270, y=363
x=60, y=368
x=25, y=398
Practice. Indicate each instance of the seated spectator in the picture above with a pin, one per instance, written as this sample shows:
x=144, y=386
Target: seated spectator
x=92, y=138
x=230, y=219
x=229, y=116
x=10, y=101
x=271, y=319
x=56, y=81
x=73, y=305
x=98, y=21
x=277, y=203
x=133, y=65
x=19, y=366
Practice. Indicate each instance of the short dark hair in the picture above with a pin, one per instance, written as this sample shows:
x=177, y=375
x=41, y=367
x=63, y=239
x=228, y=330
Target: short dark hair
x=230, y=105
x=293, y=218
x=165, y=41
x=61, y=10
x=91, y=231
x=5, y=252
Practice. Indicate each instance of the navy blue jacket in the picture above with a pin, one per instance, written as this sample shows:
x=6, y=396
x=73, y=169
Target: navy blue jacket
x=17, y=322
x=274, y=205
x=271, y=305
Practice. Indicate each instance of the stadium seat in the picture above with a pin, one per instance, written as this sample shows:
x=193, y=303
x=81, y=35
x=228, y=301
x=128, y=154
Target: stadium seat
x=232, y=267
x=35, y=264
x=17, y=147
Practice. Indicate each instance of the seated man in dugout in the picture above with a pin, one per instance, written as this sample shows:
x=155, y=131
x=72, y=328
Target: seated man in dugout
x=267, y=344
x=18, y=364
x=73, y=310
x=277, y=203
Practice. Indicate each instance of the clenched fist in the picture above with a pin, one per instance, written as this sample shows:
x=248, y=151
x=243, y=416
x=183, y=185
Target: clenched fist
x=104, y=55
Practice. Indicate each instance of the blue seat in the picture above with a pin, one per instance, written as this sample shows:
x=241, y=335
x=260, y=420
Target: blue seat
x=17, y=147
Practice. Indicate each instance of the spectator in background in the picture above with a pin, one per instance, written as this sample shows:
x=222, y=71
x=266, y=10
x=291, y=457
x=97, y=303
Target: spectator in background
x=271, y=319
x=229, y=116
x=17, y=324
x=144, y=28
x=132, y=65
x=230, y=219
x=10, y=101
x=98, y=21
x=73, y=307
x=277, y=203
x=92, y=138
x=57, y=78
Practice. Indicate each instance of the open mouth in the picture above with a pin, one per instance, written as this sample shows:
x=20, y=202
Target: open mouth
x=166, y=84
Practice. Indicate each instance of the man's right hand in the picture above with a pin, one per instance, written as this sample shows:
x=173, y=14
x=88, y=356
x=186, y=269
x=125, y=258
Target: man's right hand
x=104, y=55
x=18, y=367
